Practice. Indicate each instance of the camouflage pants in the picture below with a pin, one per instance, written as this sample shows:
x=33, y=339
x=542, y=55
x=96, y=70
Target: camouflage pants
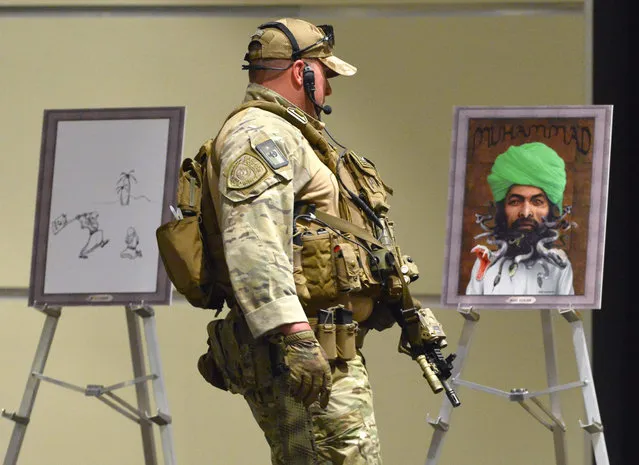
x=345, y=432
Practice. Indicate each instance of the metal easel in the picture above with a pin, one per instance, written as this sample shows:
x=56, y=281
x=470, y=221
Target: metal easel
x=550, y=418
x=106, y=394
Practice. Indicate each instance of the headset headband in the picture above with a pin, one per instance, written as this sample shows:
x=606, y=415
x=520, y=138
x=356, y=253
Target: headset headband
x=289, y=35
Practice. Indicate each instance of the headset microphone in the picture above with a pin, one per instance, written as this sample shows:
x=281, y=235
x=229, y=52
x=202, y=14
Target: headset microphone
x=309, y=87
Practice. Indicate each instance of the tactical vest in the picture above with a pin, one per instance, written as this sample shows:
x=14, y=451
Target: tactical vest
x=333, y=256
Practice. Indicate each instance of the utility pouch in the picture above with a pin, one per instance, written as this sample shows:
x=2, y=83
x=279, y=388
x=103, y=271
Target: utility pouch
x=345, y=333
x=211, y=371
x=298, y=274
x=243, y=361
x=318, y=264
x=368, y=181
x=184, y=244
x=185, y=261
x=325, y=332
x=221, y=348
x=347, y=267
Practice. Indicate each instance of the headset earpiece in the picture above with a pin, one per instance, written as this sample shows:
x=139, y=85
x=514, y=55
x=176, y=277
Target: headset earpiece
x=308, y=76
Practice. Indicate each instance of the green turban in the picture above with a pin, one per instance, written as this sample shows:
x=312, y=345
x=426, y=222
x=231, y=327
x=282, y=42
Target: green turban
x=532, y=164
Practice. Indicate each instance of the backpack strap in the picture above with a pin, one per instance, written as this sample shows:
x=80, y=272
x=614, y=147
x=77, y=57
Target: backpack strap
x=297, y=118
x=209, y=218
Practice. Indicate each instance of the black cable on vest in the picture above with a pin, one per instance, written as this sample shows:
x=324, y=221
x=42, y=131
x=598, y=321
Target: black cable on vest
x=357, y=200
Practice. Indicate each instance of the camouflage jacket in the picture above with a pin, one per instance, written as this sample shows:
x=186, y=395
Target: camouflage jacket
x=265, y=165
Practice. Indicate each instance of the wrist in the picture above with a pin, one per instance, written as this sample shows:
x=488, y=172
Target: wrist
x=300, y=336
x=291, y=328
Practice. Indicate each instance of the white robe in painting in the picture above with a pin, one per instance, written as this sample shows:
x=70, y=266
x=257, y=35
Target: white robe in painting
x=525, y=281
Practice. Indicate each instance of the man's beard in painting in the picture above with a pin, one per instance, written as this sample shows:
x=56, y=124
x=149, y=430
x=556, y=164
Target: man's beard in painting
x=523, y=241
x=523, y=235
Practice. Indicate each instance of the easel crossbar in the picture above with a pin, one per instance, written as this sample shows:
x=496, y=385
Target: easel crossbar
x=114, y=406
x=553, y=389
x=94, y=389
x=518, y=395
x=481, y=387
x=99, y=391
x=131, y=382
x=64, y=384
x=554, y=418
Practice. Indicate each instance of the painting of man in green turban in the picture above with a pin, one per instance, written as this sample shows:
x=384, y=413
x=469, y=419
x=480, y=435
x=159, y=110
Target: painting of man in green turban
x=527, y=199
x=527, y=182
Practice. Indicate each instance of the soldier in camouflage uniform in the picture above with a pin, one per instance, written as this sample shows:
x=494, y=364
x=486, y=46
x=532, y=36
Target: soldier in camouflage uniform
x=266, y=160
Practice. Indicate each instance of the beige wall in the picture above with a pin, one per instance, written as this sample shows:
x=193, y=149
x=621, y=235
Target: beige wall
x=397, y=111
x=260, y=2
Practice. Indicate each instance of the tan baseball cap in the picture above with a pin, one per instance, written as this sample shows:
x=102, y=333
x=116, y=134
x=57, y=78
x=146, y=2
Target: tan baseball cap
x=293, y=39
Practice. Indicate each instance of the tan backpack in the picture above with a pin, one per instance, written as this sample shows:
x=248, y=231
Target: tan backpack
x=183, y=243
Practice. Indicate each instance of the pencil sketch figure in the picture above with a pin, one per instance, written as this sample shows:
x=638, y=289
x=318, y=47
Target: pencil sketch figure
x=132, y=241
x=123, y=188
x=88, y=221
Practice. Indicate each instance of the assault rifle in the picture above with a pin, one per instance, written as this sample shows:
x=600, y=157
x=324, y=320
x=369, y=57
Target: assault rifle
x=422, y=339
x=422, y=335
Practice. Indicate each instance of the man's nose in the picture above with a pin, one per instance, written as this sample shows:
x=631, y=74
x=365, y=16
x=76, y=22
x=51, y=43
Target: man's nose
x=328, y=90
x=526, y=210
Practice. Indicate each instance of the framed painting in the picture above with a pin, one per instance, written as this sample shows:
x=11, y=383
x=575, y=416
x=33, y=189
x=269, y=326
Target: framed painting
x=527, y=207
x=106, y=181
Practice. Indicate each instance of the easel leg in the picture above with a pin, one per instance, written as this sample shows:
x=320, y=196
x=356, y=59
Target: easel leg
x=141, y=390
x=559, y=435
x=21, y=418
x=163, y=419
x=593, y=426
x=441, y=424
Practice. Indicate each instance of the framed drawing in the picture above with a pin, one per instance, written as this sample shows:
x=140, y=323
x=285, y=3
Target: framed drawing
x=107, y=179
x=527, y=207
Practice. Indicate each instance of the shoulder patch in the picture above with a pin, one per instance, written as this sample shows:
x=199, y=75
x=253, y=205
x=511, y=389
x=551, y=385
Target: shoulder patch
x=245, y=171
x=272, y=154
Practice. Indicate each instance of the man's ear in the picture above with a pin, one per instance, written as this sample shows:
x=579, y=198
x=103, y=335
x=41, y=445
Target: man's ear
x=297, y=74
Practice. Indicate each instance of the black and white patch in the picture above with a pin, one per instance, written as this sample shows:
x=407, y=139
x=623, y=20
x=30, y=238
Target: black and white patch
x=271, y=154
